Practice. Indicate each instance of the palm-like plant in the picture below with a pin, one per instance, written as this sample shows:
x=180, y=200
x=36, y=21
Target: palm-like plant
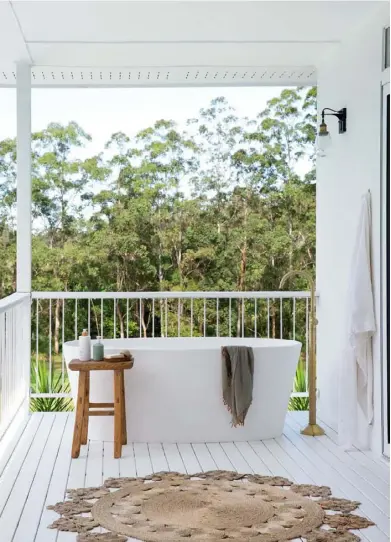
x=300, y=385
x=42, y=381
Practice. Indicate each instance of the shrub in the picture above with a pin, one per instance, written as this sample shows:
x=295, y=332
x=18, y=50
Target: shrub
x=299, y=403
x=43, y=382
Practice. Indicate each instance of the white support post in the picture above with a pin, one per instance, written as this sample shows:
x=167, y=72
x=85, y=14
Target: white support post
x=23, y=210
x=23, y=187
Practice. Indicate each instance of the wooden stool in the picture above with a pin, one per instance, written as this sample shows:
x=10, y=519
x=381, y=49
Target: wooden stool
x=85, y=409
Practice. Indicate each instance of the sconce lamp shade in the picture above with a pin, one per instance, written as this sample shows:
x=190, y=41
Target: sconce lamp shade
x=323, y=140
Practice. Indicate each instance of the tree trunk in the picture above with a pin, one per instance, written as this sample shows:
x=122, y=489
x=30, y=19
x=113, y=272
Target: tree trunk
x=239, y=319
x=162, y=321
x=242, y=270
x=273, y=315
x=142, y=323
x=121, y=321
x=290, y=245
x=96, y=319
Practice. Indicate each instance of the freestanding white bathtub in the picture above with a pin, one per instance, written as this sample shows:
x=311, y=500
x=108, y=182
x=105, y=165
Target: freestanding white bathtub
x=174, y=391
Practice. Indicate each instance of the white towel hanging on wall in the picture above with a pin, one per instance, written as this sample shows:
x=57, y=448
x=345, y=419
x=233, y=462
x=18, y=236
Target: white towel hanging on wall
x=356, y=374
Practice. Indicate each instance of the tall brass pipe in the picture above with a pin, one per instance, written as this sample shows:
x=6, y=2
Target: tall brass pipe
x=312, y=429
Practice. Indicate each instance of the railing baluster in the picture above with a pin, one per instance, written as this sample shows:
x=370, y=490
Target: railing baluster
x=10, y=356
x=115, y=319
x=294, y=319
x=306, y=341
x=6, y=365
x=191, y=316
x=179, y=317
x=12, y=365
x=3, y=367
x=12, y=350
x=76, y=333
x=62, y=346
x=255, y=317
x=140, y=315
x=153, y=317
x=281, y=315
x=217, y=317
x=230, y=317
x=8, y=347
x=15, y=381
x=268, y=318
x=101, y=318
x=204, y=317
x=89, y=316
x=242, y=316
x=37, y=346
x=7, y=362
x=50, y=346
x=127, y=318
x=166, y=312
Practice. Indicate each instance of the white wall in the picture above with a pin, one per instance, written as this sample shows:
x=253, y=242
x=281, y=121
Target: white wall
x=352, y=79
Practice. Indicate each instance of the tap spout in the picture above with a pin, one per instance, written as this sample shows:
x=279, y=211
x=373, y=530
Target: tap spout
x=301, y=273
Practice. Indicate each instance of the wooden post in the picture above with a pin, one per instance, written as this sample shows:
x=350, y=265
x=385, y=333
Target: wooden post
x=80, y=412
x=118, y=413
x=23, y=186
x=124, y=431
x=84, y=432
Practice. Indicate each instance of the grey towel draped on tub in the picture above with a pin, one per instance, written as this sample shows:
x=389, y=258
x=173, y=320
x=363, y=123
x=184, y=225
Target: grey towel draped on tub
x=238, y=376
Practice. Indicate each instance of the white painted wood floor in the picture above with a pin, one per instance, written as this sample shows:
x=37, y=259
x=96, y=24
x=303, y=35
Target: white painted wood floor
x=36, y=468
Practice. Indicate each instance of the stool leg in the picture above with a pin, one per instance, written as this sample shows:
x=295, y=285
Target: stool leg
x=84, y=433
x=124, y=433
x=79, y=415
x=117, y=415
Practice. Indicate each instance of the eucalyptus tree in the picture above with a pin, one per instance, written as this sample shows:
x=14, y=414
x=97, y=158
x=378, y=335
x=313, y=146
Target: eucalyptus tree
x=61, y=181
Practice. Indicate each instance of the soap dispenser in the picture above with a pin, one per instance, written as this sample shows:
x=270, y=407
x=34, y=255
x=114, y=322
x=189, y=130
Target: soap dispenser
x=98, y=350
x=84, y=346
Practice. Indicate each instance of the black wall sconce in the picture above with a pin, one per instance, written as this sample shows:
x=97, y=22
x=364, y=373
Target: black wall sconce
x=324, y=138
x=341, y=116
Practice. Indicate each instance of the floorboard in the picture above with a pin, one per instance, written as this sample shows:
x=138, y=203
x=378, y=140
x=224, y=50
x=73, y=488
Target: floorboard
x=58, y=483
x=158, y=459
x=174, y=458
x=205, y=458
x=10, y=439
x=16, y=501
x=31, y=515
x=219, y=457
x=38, y=469
x=189, y=458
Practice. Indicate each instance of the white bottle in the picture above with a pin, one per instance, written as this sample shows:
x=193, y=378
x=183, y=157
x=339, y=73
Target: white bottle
x=84, y=346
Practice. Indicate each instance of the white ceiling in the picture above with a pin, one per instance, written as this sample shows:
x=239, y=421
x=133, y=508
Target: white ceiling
x=282, y=39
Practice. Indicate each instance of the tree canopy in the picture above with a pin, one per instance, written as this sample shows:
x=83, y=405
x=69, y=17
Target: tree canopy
x=223, y=203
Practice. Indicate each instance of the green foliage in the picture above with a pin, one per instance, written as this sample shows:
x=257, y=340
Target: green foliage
x=299, y=403
x=43, y=382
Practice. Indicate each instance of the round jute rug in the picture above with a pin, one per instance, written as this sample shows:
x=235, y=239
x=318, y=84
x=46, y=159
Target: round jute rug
x=212, y=506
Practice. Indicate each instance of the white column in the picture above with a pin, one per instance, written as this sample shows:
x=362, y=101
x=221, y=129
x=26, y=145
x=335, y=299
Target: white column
x=23, y=187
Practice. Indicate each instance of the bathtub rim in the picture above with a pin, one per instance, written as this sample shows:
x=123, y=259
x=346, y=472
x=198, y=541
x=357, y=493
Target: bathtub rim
x=178, y=344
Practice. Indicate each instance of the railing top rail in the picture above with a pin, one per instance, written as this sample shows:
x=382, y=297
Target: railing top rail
x=172, y=295
x=12, y=300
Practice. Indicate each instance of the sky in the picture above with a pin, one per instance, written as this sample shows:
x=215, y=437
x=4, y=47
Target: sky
x=102, y=112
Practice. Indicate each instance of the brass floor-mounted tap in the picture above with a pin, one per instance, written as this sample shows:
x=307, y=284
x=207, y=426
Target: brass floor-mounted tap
x=312, y=429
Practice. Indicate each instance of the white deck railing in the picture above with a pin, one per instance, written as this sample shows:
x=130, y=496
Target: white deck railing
x=14, y=356
x=60, y=316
